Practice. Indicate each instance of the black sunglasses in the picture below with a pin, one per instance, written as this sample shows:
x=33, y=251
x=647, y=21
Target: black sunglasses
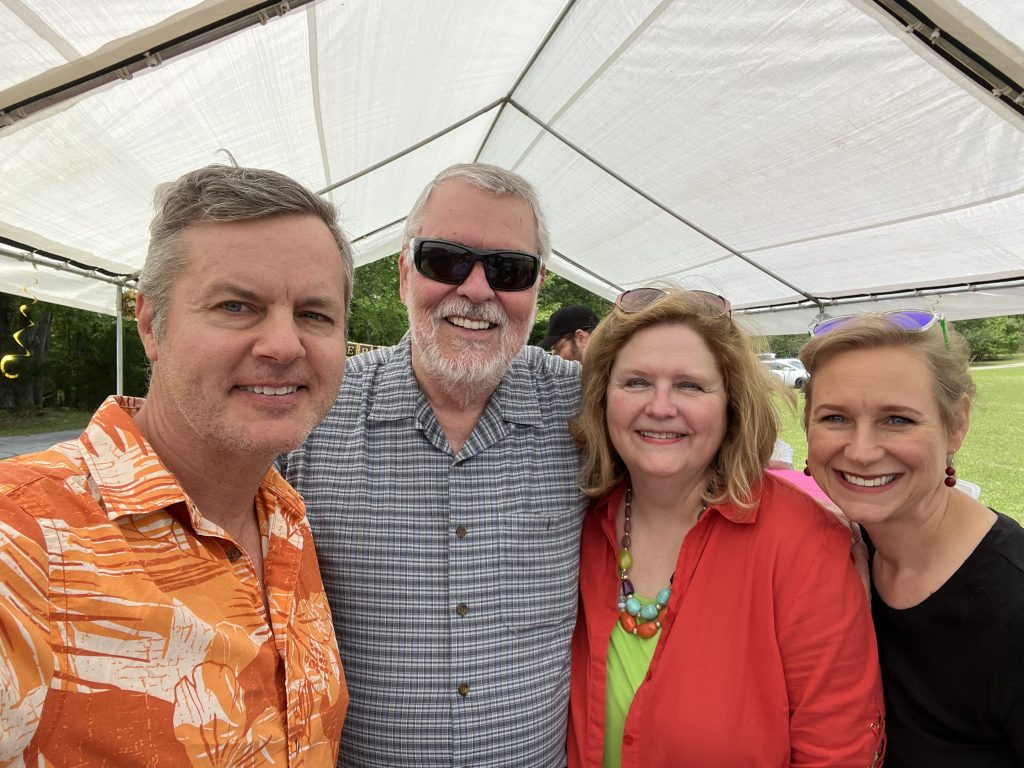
x=448, y=262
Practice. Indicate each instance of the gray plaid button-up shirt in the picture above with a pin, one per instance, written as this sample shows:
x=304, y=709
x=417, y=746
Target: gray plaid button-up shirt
x=452, y=578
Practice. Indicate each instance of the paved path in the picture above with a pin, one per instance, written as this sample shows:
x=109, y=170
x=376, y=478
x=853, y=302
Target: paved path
x=18, y=444
x=996, y=367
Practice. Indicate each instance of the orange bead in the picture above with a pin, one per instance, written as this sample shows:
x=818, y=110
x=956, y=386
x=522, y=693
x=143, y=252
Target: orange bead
x=661, y=616
x=628, y=622
x=648, y=629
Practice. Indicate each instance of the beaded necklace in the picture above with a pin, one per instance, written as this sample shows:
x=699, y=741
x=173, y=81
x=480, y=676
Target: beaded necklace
x=638, y=619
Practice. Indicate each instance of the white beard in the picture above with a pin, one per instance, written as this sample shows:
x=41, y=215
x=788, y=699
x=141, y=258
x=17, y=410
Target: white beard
x=466, y=371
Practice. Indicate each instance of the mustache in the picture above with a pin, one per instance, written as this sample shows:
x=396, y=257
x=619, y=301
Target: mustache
x=489, y=312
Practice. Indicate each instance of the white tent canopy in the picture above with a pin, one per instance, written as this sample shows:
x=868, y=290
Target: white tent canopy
x=798, y=156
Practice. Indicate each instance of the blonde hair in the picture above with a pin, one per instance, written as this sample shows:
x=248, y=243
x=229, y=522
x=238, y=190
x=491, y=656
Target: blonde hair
x=948, y=364
x=752, y=423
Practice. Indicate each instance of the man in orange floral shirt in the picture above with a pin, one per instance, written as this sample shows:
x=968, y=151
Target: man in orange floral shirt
x=160, y=601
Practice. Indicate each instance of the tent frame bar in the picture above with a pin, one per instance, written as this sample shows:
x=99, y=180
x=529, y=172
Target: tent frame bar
x=940, y=290
x=124, y=69
x=961, y=56
x=39, y=258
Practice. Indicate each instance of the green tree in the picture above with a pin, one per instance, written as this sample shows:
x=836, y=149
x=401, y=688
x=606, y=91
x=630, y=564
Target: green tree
x=556, y=293
x=786, y=345
x=992, y=338
x=24, y=341
x=73, y=360
x=378, y=315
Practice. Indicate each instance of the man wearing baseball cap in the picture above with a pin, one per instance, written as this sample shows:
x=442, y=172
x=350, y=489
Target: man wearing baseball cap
x=569, y=331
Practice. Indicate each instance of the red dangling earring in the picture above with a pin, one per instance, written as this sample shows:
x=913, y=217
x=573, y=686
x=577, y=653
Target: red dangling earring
x=950, y=480
x=807, y=470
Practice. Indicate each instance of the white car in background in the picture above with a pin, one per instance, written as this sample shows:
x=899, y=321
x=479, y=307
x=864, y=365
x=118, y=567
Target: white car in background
x=789, y=370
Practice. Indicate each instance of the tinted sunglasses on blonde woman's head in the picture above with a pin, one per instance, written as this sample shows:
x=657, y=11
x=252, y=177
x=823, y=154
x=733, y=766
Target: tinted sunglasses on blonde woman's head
x=638, y=299
x=907, y=319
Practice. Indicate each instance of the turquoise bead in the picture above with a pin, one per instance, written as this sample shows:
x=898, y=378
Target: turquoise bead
x=632, y=606
x=663, y=596
x=649, y=612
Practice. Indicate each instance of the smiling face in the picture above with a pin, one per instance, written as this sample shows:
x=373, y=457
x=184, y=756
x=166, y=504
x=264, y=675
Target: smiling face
x=253, y=350
x=465, y=336
x=666, y=404
x=875, y=439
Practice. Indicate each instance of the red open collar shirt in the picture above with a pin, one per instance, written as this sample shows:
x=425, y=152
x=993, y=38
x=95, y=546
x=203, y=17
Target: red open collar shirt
x=767, y=656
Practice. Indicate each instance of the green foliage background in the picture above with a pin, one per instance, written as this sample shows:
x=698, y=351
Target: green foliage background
x=378, y=315
x=990, y=338
x=72, y=360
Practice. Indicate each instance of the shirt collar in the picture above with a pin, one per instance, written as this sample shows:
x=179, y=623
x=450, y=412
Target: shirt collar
x=128, y=475
x=399, y=394
x=130, y=478
x=607, y=506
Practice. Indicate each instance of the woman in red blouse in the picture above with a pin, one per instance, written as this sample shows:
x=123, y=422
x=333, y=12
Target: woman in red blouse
x=721, y=620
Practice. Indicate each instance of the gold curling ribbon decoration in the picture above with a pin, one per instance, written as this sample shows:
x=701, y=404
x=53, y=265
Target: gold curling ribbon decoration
x=7, y=360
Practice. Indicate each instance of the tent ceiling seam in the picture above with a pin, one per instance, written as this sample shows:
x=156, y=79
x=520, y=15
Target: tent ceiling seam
x=955, y=288
x=887, y=223
x=411, y=148
x=614, y=56
x=660, y=205
x=590, y=273
x=522, y=76
x=698, y=265
x=314, y=87
x=32, y=20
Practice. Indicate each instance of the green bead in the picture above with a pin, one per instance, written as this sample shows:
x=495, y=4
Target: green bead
x=625, y=560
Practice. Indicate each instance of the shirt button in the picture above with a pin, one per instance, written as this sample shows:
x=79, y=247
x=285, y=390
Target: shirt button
x=627, y=740
x=233, y=554
x=463, y=689
x=462, y=609
x=461, y=531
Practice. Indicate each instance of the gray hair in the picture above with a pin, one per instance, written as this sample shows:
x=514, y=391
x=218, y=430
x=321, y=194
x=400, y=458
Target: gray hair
x=224, y=193
x=493, y=179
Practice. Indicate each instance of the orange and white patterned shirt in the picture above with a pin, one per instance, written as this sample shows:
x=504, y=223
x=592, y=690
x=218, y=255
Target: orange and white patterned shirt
x=133, y=631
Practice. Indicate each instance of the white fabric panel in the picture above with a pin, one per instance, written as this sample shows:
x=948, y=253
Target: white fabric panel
x=23, y=54
x=392, y=76
x=54, y=32
x=387, y=194
x=86, y=173
x=814, y=136
x=986, y=241
x=760, y=146
x=26, y=281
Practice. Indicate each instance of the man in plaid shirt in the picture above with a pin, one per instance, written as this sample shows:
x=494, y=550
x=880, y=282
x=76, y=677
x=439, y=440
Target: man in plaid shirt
x=443, y=498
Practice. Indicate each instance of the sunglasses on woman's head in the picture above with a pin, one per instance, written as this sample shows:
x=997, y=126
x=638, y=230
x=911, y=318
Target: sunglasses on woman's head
x=638, y=299
x=907, y=319
x=448, y=262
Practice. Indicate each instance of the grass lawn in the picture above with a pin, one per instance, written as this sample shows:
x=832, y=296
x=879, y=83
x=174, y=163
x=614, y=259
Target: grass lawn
x=34, y=422
x=993, y=453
